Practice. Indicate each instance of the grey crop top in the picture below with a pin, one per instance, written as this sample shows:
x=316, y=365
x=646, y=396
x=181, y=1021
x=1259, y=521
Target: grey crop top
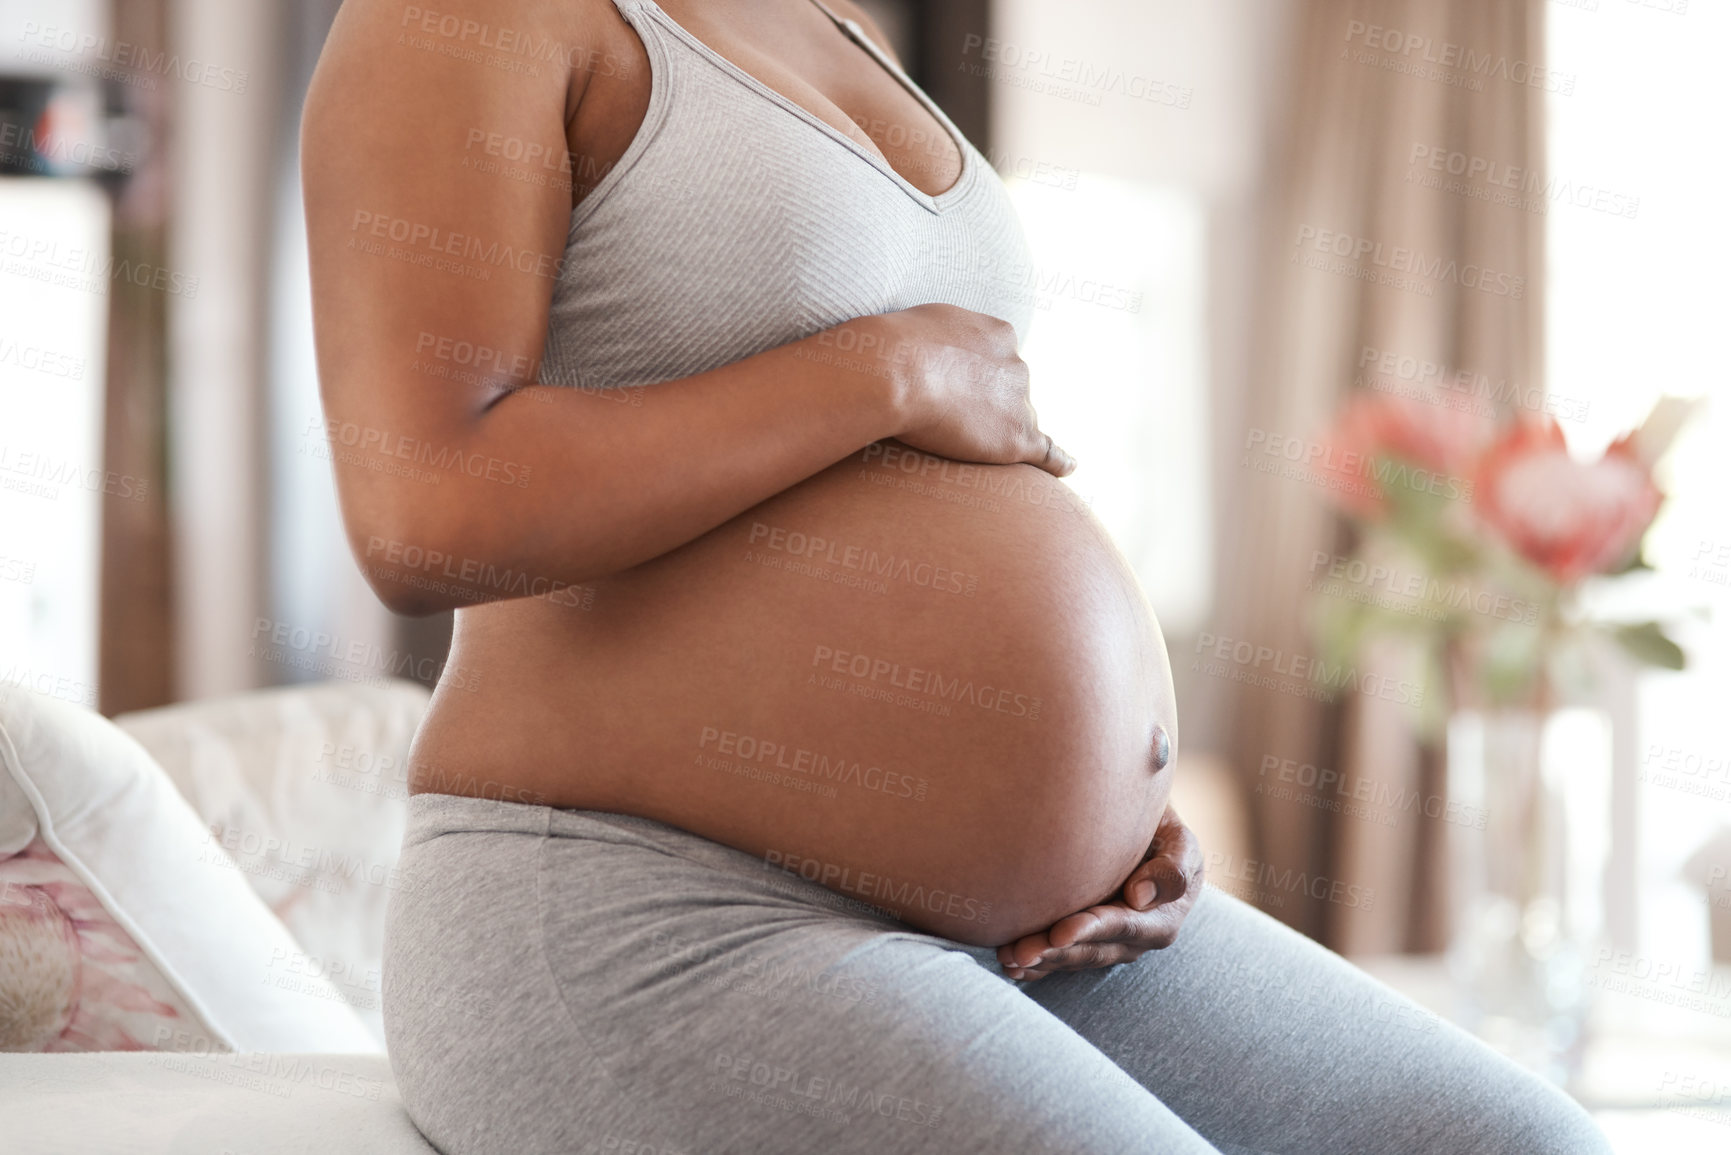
x=737, y=221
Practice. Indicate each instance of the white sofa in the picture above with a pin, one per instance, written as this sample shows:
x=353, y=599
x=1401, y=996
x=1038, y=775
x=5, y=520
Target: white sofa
x=319, y=769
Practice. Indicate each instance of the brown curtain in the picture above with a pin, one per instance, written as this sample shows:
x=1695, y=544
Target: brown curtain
x=136, y=660
x=1464, y=77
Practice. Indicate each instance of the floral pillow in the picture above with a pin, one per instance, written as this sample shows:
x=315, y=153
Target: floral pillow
x=74, y=979
x=118, y=928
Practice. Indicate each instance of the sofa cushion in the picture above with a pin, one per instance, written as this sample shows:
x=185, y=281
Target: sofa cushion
x=116, y=900
x=307, y=788
x=261, y=1104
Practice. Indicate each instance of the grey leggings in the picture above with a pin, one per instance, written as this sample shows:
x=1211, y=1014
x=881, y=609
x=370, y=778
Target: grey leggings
x=579, y=981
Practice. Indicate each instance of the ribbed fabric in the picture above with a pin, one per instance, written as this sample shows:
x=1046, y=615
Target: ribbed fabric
x=737, y=221
x=579, y=981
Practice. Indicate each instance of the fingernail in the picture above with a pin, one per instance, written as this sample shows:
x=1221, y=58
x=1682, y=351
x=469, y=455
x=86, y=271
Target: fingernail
x=1141, y=893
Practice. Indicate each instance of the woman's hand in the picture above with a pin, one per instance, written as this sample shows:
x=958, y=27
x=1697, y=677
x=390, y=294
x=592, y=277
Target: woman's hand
x=967, y=389
x=1146, y=915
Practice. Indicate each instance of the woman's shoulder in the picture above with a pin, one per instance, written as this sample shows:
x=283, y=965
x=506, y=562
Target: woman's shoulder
x=529, y=37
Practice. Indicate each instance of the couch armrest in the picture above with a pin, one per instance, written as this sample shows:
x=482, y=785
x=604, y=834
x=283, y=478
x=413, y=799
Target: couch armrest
x=146, y=1104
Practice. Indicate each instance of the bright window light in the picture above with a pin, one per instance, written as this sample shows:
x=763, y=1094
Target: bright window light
x=1637, y=307
x=53, y=328
x=1117, y=355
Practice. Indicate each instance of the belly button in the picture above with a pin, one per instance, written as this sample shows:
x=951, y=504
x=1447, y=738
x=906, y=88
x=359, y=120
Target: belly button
x=1162, y=747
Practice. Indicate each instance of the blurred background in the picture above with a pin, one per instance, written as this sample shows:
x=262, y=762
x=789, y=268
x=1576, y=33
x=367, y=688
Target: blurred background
x=1345, y=307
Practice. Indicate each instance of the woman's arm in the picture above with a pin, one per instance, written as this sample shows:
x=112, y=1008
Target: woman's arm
x=421, y=259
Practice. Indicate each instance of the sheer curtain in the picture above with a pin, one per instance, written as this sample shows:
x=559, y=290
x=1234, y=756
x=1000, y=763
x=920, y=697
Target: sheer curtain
x=1376, y=90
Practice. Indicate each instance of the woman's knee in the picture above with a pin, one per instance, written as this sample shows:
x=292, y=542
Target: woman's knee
x=1553, y=1124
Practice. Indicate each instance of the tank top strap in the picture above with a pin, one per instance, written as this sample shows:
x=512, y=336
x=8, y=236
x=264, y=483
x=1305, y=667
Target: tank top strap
x=830, y=12
x=630, y=5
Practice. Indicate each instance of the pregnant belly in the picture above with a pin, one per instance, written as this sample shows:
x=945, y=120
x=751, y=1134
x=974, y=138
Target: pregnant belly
x=930, y=687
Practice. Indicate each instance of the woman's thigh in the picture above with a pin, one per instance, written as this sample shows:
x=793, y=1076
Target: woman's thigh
x=565, y=994
x=1264, y=1041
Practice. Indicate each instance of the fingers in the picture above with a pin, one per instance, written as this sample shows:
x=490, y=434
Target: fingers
x=1054, y=460
x=1157, y=897
x=1100, y=936
x=1096, y=924
x=1173, y=869
x=1141, y=892
x=1022, y=953
x=1160, y=881
x=1086, y=956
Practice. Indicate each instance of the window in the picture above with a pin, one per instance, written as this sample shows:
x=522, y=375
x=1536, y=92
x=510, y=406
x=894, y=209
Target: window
x=1640, y=245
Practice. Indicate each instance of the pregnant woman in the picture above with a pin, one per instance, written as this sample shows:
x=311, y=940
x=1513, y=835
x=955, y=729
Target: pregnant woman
x=798, y=779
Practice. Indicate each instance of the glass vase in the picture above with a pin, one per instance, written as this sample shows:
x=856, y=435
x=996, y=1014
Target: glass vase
x=1528, y=877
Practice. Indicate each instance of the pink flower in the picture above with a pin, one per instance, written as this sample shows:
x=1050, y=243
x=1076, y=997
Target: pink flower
x=1567, y=517
x=1437, y=437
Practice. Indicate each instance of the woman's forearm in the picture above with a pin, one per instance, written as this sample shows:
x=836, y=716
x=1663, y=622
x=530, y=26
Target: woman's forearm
x=550, y=486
